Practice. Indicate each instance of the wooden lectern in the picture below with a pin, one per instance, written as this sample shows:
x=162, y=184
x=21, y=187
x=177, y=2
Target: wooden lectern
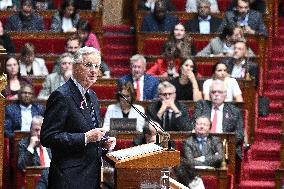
x=131, y=172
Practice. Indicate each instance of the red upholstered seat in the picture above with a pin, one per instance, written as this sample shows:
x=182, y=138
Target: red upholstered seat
x=210, y=182
x=105, y=92
x=49, y=66
x=253, y=45
x=37, y=89
x=223, y=5
x=103, y=111
x=205, y=70
x=6, y=164
x=180, y=4
x=153, y=47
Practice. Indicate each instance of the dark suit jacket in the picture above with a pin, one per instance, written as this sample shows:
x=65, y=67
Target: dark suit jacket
x=252, y=68
x=254, y=21
x=232, y=120
x=43, y=181
x=150, y=89
x=180, y=123
x=13, y=120
x=26, y=158
x=74, y=165
x=150, y=24
x=213, y=151
x=170, y=6
x=193, y=25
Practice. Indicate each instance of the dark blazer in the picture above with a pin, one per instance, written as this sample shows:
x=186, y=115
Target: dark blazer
x=150, y=23
x=8, y=43
x=13, y=120
x=180, y=123
x=150, y=89
x=252, y=68
x=232, y=120
x=26, y=158
x=193, y=25
x=170, y=6
x=74, y=165
x=255, y=21
x=43, y=181
x=213, y=151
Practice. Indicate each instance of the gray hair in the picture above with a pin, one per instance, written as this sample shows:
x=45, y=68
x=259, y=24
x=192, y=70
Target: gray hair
x=37, y=118
x=218, y=82
x=78, y=57
x=207, y=2
x=65, y=55
x=137, y=57
x=165, y=84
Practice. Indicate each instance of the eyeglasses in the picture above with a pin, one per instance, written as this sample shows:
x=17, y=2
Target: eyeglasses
x=217, y=91
x=167, y=94
x=90, y=65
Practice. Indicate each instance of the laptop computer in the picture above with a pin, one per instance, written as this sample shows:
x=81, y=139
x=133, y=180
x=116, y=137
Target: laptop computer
x=123, y=124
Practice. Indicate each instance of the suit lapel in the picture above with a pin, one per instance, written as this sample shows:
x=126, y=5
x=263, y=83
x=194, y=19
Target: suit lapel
x=226, y=118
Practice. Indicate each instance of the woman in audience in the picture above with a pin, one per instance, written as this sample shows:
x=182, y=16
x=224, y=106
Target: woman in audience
x=124, y=110
x=181, y=41
x=87, y=37
x=219, y=71
x=66, y=19
x=30, y=65
x=186, y=84
x=6, y=40
x=14, y=79
x=191, y=6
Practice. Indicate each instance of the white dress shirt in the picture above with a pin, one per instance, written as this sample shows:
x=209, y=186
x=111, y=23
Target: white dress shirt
x=204, y=25
x=26, y=116
x=238, y=70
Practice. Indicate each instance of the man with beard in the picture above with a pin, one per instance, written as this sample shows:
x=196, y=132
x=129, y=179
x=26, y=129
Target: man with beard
x=159, y=20
x=239, y=65
x=250, y=20
x=203, y=23
x=25, y=19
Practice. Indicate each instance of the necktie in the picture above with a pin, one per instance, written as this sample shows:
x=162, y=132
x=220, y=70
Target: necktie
x=214, y=121
x=91, y=108
x=167, y=120
x=138, y=93
x=202, y=146
x=41, y=156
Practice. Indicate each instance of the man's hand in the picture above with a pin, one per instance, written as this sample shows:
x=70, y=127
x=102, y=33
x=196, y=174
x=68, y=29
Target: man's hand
x=110, y=143
x=248, y=30
x=95, y=135
x=34, y=141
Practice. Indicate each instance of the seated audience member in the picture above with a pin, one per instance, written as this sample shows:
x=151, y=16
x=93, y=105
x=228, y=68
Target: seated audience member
x=165, y=67
x=192, y=6
x=9, y=4
x=43, y=181
x=224, y=44
x=41, y=5
x=29, y=64
x=257, y=5
x=123, y=109
x=145, y=85
x=30, y=151
x=220, y=72
x=14, y=79
x=149, y=5
x=25, y=19
x=225, y=117
x=18, y=116
x=239, y=66
x=250, y=20
x=171, y=114
x=7, y=42
x=179, y=42
x=202, y=149
x=204, y=22
x=186, y=84
x=159, y=20
x=66, y=19
x=56, y=79
x=87, y=37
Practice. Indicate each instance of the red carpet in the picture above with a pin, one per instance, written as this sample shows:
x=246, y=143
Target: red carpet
x=263, y=158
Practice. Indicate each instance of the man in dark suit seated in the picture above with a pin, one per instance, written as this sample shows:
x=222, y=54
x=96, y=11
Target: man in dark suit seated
x=71, y=127
x=30, y=151
x=202, y=149
x=145, y=85
x=171, y=114
x=159, y=20
x=251, y=21
x=18, y=116
x=225, y=117
x=239, y=66
x=203, y=23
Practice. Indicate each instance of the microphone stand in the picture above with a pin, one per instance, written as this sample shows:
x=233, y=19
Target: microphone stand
x=159, y=134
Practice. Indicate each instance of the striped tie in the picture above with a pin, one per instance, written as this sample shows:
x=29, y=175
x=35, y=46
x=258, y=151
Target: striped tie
x=92, y=109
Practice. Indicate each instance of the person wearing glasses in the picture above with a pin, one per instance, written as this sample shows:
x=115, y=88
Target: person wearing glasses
x=56, y=79
x=123, y=109
x=171, y=114
x=71, y=127
x=225, y=117
x=186, y=83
